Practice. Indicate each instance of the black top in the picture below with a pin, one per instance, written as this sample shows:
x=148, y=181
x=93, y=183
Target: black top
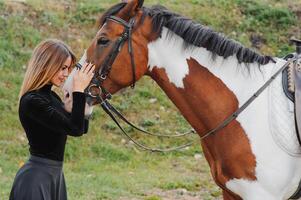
x=47, y=123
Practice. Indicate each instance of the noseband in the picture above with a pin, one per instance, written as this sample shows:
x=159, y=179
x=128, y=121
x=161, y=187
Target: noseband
x=95, y=89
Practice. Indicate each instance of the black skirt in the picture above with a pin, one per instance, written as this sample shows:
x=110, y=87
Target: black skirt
x=39, y=179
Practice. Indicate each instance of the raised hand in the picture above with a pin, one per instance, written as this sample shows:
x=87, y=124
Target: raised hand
x=83, y=77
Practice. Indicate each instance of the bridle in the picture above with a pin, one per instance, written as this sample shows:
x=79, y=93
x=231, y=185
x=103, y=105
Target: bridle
x=97, y=92
x=95, y=88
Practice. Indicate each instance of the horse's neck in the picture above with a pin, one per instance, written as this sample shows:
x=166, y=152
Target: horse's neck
x=205, y=90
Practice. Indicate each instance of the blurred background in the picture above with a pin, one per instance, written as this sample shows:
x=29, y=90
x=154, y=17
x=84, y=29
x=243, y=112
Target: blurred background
x=103, y=164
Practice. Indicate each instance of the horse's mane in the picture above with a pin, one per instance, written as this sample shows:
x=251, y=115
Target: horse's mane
x=195, y=34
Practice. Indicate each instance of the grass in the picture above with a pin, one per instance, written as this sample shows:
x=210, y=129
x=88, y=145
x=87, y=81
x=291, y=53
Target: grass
x=102, y=164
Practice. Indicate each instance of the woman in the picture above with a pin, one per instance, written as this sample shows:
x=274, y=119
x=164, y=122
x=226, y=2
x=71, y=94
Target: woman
x=47, y=123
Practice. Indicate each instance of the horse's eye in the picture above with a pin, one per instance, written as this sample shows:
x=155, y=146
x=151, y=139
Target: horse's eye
x=103, y=41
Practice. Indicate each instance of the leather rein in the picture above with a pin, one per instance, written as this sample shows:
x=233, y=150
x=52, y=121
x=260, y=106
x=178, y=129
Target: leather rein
x=101, y=75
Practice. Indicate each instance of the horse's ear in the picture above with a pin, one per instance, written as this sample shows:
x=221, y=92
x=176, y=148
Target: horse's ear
x=131, y=8
x=140, y=3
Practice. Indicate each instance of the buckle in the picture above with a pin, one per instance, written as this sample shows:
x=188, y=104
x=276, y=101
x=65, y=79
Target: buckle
x=94, y=91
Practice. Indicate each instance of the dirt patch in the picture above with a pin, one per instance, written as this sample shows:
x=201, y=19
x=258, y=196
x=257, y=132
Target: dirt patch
x=181, y=194
x=177, y=194
x=13, y=7
x=296, y=8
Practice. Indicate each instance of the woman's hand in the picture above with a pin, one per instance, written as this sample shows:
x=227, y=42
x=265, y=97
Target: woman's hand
x=83, y=77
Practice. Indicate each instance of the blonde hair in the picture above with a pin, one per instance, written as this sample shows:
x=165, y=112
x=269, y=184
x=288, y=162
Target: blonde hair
x=47, y=59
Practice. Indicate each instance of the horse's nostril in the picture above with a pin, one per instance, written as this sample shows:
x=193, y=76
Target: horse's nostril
x=67, y=94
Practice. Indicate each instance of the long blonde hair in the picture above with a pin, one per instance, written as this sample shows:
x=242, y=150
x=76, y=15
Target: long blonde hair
x=47, y=59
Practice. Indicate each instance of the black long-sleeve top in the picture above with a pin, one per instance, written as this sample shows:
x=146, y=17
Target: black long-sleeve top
x=47, y=123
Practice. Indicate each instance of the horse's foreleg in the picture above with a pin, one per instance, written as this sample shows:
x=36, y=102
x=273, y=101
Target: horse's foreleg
x=230, y=196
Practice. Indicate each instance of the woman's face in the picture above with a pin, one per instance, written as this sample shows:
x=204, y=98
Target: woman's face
x=59, y=78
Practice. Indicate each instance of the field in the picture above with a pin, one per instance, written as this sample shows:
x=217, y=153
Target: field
x=103, y=164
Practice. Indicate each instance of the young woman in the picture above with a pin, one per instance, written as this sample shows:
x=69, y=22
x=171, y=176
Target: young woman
x=47, y=123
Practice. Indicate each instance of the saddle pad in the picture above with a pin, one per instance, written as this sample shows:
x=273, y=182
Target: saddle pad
x=281, y=118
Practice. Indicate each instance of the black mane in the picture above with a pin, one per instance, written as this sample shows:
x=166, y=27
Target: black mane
x=201, y=36
x=196, y=34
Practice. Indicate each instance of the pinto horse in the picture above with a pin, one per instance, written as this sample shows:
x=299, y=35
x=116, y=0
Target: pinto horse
x=207, y=77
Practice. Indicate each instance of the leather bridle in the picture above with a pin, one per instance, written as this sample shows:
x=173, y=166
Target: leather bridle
x=97, y=92
x=95, y=89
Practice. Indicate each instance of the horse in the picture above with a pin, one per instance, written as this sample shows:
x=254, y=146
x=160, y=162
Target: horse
x=208, y=77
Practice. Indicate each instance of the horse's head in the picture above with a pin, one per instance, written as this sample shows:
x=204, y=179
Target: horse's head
x=119, y=49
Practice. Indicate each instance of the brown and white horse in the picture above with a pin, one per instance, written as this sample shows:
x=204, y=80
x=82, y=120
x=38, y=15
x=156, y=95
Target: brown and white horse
x=207, y=77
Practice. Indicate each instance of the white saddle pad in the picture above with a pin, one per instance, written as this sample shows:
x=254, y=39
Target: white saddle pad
x=281, y=115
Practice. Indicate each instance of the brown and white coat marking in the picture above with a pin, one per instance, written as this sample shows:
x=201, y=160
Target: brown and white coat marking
x=244, y=159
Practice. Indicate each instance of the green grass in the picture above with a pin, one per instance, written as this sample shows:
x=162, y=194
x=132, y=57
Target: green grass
x=102, y=164
x=261, y=14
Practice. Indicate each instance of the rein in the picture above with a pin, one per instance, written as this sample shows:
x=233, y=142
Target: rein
x=105, y=69
x=110, y=110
